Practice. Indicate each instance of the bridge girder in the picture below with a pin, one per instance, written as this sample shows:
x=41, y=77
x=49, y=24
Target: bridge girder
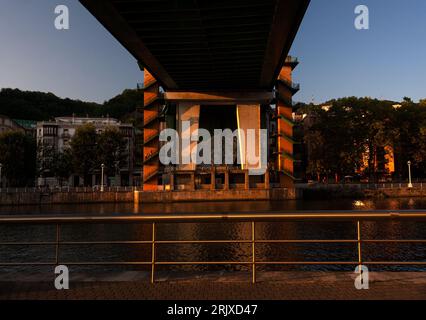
x=202, y=44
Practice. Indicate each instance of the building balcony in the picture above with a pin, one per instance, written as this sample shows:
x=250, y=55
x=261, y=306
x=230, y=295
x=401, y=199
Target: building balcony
x=150, y=157
x=283, y=99
x=294, y=87
x=290, y=122
x=291, y=61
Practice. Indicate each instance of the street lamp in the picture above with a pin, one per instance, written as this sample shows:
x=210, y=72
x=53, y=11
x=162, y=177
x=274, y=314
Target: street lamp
x=102, y=177
x=410, y=185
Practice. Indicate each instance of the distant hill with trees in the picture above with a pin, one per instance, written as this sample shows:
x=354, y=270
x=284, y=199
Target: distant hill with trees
x=39, y=106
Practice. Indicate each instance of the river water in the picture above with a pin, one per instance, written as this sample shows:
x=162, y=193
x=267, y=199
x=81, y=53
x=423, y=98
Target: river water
x=215, y=231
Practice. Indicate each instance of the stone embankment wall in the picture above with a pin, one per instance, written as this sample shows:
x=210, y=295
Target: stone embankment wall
x=218, y=195
x=37, y=198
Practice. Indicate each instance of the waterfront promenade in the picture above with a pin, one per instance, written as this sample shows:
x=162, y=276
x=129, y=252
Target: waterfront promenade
x=89, y=195
x=356, y=230
x=271, y=286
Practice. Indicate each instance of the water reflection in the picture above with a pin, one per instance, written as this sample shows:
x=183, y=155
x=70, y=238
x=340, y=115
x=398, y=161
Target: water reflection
x=219, y=231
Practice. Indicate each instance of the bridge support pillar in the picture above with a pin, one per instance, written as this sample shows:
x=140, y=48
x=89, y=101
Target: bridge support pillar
x=248, y=118
x=188, y=115
x=172, y=181
x=267, y=184
x=246, y=180
x=226, y=184
x=213, y=178
x=285, y=159
x=192, y=186
x=151, y=131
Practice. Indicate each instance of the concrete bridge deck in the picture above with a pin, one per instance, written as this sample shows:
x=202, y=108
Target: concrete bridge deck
x=271, y=286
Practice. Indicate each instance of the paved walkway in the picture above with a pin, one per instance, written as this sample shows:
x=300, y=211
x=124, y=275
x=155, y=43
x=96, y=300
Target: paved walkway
x=271, y=286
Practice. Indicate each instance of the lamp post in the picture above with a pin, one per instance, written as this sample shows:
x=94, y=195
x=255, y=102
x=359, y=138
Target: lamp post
x=102, y=177
x=1, y=185
x=410, y=185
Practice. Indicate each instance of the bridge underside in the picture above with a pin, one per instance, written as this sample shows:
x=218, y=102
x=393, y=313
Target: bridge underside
x=206, y=53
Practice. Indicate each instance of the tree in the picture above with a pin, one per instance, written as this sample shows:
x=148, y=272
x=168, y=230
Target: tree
x=123, y=104
x=45, y=158
x=347, y=131
x=111, y=150
x=407, y=100
x=18, y=157
x=422, y=102
x=83, y=150
x=411, y=138
x=315, y=164
x=62, y=165
x=29, y=105
x=53, y=163
x=342, y=142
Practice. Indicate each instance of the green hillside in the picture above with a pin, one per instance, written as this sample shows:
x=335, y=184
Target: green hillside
x=38, y=106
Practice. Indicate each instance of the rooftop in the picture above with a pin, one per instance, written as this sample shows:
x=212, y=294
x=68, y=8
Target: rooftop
x=83, y=120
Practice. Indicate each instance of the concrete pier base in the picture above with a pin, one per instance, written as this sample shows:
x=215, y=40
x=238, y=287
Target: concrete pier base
x=208, y=194
x=220, y=195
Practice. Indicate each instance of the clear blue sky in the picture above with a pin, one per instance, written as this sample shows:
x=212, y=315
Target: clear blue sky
x=86, y=62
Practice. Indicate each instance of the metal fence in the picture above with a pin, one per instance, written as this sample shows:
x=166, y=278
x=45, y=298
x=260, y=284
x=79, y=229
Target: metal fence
x=66, y=189
x=69, y=189
x=344, y=216
x=365, y=186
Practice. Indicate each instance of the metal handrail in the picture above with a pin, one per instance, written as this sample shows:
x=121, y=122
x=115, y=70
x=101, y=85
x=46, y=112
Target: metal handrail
x=348, y=215
x=67, y=189
x=352, y=216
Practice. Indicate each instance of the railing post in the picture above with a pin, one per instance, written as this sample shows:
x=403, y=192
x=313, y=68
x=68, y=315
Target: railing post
x=58, y=237
x=153, y=254
x=359, y=246
x=253, y=251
